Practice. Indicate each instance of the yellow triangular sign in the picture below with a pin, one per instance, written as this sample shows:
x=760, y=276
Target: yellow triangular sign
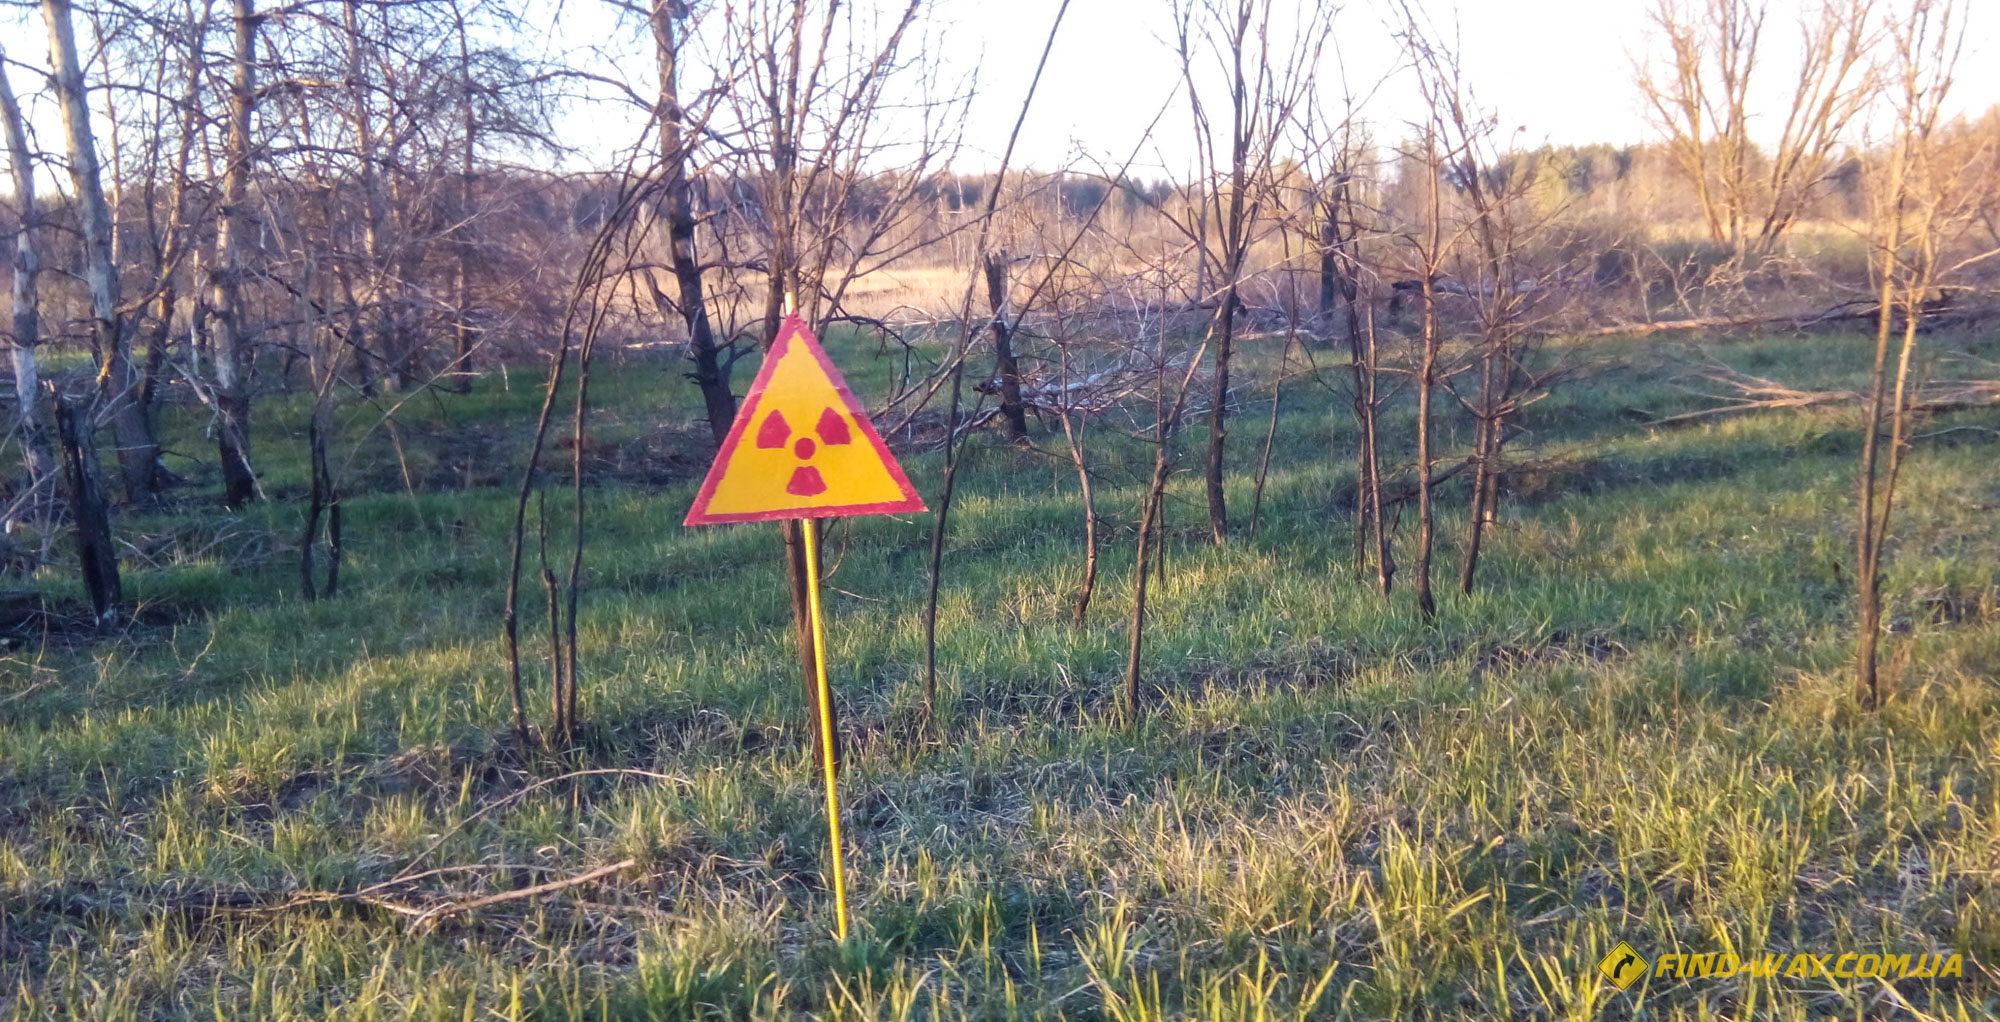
x=801, y=446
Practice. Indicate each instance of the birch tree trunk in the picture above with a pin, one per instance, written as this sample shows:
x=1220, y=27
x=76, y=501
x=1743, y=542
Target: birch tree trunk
x=36, y=450
x=231, y=397
x=118, y=377
x=380, y=317
x=464, y=333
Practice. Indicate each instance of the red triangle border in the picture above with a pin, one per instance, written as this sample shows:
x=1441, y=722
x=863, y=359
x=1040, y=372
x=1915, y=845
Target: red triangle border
x=794, y=329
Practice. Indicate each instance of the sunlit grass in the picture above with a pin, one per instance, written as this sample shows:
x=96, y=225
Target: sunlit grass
x=1637, y=728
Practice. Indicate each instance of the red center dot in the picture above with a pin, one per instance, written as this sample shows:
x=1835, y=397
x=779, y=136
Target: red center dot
x=804, y=448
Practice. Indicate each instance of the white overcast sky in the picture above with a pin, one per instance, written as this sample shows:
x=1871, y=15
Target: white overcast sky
x=1552, y=71
x=1555, y=71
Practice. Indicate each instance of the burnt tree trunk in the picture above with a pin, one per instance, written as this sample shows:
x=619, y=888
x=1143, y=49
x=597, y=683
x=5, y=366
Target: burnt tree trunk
x=323, y=503
x=560, y=725
x=1426, y=514
x=1218, y=415
x=1364, y=427
x=1496, y=396
x=1371, y=460
x=953, y=456
x=711, y=370
x=1135, y=647
x=1270, y=434
x=1153, y=513
x=159, y=343
x=1079, y=456
x=89, y=509
x=1496, y=376
x=379, y=300
x=1337, y=287
x=1427, y=372
x=1007, y=366
x=1485, y=432
x=464, y=333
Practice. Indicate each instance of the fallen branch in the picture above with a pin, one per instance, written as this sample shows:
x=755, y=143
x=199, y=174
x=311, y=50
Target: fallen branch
x=1956, y=396
x=452, y=908
x=1438, y=478
x=1936, y=312
x=1700, y=323
x=418, y=915
x=1742, y=392
x=1093, y=393
x=516, y=797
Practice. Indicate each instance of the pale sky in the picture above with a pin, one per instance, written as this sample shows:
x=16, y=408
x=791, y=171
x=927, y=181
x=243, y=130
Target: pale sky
x=1561, y=71
x=1552, y=70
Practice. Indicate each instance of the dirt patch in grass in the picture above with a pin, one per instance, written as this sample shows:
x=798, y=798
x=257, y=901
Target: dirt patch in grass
x=476, y=456
x=30, y=619
x=1963, y=605
x=1559, y=646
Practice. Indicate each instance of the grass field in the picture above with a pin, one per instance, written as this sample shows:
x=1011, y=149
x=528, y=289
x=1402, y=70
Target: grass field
x=1638, y=728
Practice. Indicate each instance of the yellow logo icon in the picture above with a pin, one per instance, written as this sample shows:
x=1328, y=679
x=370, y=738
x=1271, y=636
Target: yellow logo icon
x=1623, y=966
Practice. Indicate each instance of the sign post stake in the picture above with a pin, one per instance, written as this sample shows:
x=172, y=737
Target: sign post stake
x=825, y=701
x=802, y=448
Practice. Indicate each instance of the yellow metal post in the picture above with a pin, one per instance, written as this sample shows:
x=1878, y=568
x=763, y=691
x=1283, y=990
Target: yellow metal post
x=825, y=708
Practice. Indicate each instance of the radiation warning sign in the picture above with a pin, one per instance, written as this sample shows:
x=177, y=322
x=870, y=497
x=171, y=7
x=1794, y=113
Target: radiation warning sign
x=801, y=447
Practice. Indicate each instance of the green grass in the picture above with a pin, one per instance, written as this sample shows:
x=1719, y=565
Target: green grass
x=1637, y=728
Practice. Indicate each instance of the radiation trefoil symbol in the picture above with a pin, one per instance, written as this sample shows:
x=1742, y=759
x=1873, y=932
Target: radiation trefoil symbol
x=835, y=466
x=776, y=432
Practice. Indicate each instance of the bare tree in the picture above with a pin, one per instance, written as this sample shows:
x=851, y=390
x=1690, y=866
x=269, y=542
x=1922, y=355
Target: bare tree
x=383, y=287
x=678, y=135
x=1260, y=92
x=1431, y=255
x=232, y=400
x=89, y=508
x=30, y=410
x=1337, y=204
x=1074, y=425
x=1169, y=404
x=1007, y=365
x=1922, y=199
x=173, y=132
x=1495, y=273
x=1700, y=90
x=1340, y=208
x=955, y=370
x=118, y=378
x=807, y=115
